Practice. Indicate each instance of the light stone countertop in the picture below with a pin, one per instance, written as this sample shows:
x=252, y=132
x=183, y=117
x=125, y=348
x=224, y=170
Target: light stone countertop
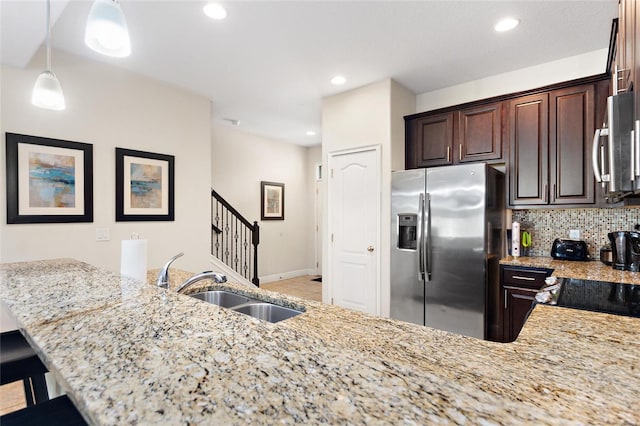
x=131, y=353
x=590, y=270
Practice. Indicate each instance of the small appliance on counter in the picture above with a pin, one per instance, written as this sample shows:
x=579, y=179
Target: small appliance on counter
x=606, y=254
x=625, y=247
x=569, y=250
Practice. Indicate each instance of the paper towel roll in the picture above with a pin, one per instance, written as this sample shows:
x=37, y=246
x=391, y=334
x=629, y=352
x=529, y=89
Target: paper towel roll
x=133, y=262
x=515, y=239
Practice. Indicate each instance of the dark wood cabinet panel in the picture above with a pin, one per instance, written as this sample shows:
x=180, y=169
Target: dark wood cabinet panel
x=433, y=142
x=517, y=306
x=571, y=129
x=519, y=286
x=528, y=157
x=480, y=133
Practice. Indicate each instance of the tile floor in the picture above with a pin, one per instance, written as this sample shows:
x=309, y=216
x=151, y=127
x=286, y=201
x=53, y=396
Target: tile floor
x=11, y=397
x=12, y=394
x=302, y=287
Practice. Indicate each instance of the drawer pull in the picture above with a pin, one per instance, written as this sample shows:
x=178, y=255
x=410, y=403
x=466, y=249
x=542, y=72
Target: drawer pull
x=528, y=290
x=518, y=277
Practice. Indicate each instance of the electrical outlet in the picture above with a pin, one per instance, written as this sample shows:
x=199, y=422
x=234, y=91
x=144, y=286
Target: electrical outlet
x=574, y=234
x=102, y=234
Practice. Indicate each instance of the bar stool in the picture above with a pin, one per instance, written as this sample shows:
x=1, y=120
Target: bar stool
x=19, y=362
x=58, y=411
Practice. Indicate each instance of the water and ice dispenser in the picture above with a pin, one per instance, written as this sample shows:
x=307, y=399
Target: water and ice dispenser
x=407, y=231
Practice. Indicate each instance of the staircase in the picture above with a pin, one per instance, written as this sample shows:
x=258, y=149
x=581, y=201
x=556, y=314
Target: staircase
x=234, y=240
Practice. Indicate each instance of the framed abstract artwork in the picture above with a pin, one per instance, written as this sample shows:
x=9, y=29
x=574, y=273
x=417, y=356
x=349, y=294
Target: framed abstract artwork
x=272, y=201
x=48, y=180
x=144, y=186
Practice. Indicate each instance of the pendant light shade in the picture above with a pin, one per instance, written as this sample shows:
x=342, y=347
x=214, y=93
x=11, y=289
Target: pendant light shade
x=47, y=92
x=107, y=31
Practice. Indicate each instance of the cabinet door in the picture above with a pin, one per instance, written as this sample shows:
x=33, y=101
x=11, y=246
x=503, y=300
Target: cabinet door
x=518, y=303
x=480, y=133
x=571, y=129
x=433, y=140
x=528, y=155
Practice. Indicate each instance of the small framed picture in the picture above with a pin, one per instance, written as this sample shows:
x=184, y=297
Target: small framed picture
x=272, y=200
x=48, y=180
x=144, y=186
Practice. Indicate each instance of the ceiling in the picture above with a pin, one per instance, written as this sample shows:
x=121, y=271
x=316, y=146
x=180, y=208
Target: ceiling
x=269, y=63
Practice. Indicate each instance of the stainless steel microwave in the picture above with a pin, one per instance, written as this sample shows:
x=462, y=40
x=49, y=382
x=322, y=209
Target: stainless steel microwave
x=616, y=149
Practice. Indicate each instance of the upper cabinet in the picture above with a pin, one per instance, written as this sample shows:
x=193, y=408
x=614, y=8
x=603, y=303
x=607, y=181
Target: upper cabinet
x=529, y=150
x=626, y=64
x=452, y=137
x=480, y=133
x=544, y=137
x=429, y=141
x=550, y=146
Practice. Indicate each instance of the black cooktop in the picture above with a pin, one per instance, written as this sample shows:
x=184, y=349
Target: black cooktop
x=599, y=296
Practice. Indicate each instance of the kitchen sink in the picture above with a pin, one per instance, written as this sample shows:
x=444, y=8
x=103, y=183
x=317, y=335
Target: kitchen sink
x=267, y=311
x=221, y=298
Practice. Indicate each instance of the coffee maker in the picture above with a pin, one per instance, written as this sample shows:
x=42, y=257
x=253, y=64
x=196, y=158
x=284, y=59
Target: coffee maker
x=625, y=246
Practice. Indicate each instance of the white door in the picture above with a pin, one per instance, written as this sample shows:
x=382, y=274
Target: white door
x=354, y=226
x=318, y=229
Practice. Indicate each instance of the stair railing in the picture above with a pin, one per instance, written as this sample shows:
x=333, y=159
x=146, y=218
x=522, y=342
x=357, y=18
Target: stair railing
x=234, y=240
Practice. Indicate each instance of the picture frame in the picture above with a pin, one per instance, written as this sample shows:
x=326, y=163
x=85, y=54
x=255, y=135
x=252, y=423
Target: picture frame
x=48, y=180
x=145, y=185
x=271, y=200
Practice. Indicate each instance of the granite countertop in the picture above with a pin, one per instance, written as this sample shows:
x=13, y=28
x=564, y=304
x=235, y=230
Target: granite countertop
x=591, y=270
x=128, y=352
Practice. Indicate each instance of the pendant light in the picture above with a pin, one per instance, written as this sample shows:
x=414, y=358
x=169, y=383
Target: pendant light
x=47, y=92
x=106, y=30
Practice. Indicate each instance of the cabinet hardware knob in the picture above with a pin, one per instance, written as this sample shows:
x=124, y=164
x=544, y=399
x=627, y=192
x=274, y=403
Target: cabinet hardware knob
x=370, y=249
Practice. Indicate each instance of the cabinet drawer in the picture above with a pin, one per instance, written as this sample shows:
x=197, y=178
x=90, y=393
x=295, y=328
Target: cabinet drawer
x=524, y=277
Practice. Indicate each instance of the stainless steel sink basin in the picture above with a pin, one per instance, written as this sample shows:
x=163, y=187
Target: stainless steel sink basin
x=267, y=311
x=221, y=298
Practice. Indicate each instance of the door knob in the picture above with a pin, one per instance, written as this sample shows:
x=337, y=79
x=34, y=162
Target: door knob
x=370, y=248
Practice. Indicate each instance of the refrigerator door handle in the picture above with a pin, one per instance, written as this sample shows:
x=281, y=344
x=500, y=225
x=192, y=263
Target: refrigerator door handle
x=421, y=238
x=427, y=238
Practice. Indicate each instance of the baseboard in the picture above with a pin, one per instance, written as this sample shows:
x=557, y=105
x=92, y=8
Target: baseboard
x=286, y=275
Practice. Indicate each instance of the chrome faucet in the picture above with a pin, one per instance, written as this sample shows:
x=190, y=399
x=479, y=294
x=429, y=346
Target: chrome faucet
x=163, y=276
x=219, y=278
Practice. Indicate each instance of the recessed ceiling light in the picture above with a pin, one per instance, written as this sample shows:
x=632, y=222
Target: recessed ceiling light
x=215, y=11
x=506, y=24
x=311, y=133
x=338, y=80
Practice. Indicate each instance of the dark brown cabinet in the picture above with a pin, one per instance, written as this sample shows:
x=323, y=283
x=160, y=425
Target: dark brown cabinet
x=480, y=133
x=431, y=140
x=519, y=287
x=452, y=137
x=529, y=147
x=550, y=136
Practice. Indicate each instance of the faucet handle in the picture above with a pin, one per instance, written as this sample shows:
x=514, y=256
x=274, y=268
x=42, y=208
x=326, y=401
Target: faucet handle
x=163, y=276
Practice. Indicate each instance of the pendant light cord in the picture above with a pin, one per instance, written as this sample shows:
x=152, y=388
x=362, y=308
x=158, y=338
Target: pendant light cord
x=49, y=35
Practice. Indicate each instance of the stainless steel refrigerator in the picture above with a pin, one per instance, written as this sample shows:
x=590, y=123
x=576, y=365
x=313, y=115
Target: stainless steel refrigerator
x=447, y=238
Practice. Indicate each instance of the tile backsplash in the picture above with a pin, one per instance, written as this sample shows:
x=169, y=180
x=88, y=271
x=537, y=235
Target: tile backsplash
x=545, y=225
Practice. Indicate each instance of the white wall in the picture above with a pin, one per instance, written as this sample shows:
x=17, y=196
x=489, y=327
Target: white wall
x=370, y=115
x=239, y=162
x=314, y=157
x=109, y=107
x=591, y=63
x=403, y=103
